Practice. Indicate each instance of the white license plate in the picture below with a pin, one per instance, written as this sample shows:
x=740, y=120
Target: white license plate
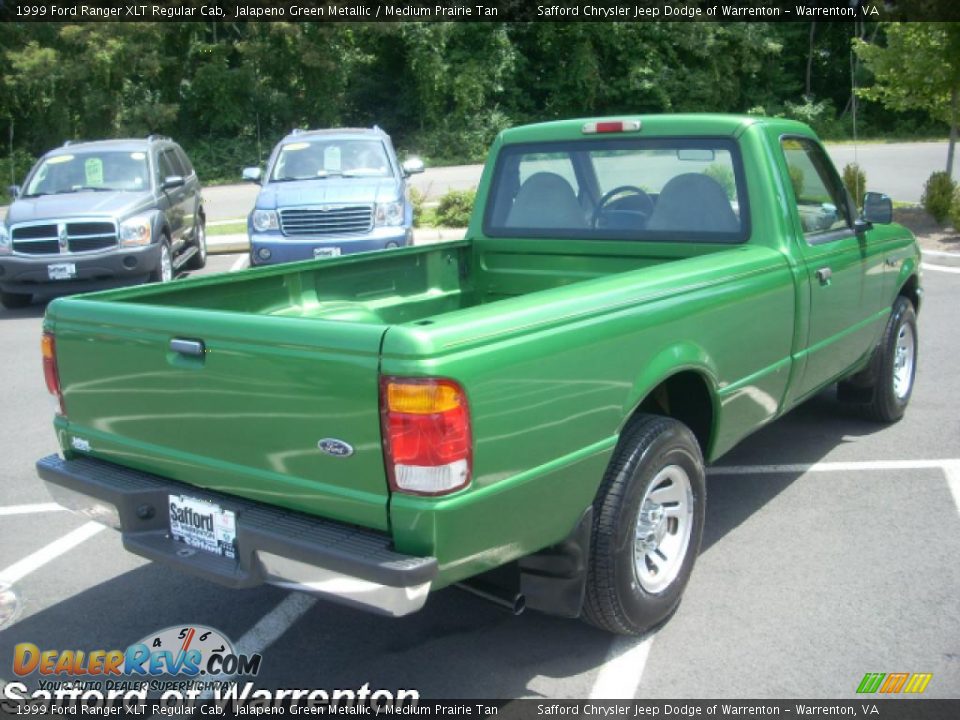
x=62, y=271
x=203, y=525
x=326, y=252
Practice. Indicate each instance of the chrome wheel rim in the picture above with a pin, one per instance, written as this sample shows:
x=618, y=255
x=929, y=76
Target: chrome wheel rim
x=202, y=241
x=663, y=529
x=166, y=265
x=903, y=360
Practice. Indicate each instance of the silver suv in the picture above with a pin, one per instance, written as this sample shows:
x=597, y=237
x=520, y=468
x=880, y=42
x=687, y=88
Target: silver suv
x=95, y=215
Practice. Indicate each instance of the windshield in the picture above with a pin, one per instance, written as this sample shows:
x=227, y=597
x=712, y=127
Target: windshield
x=624, y=189
x=102, y=170
x=323, y=158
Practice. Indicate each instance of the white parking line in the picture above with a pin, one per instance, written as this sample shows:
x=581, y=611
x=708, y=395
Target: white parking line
x=266, y=632
x=240, y=264
x=41, y=557
x=940, y=268
x=620, y=675
x=833, y=467
x=30, y=509
x=952, y=471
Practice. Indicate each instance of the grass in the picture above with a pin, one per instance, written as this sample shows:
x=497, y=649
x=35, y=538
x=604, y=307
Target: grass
x=234, y=228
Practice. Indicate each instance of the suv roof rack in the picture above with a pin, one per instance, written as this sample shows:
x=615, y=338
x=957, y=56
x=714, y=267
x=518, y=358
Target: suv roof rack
x=296, y=131
x=155, y=138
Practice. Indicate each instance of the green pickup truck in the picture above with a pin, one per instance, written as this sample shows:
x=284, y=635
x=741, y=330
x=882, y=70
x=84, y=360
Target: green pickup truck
x=526, y=412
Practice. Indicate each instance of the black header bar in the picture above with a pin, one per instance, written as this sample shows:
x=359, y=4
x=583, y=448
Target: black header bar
x=477, y=10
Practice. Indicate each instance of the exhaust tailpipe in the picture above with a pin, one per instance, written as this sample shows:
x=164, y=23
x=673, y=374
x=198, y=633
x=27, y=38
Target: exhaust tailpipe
x=513, y=601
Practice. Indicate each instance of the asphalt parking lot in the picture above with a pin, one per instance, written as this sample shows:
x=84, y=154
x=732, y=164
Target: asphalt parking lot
x=830, y=551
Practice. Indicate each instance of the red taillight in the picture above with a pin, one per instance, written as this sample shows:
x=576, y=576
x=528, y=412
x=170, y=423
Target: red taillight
x=426, y=435
x=610, y=126
x=48, y=348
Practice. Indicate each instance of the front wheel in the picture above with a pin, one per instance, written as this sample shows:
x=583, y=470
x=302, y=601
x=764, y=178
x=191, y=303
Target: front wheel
x=896, y=365
x=164, y=271
x=648, y=523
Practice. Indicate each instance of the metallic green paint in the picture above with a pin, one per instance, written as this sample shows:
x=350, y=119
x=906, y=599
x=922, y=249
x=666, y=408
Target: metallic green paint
x=556, y=343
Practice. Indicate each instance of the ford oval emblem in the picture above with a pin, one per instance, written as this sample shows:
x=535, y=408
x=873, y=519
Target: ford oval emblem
x=334, y=447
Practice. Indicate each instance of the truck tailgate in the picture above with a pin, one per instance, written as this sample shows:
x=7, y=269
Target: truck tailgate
x=245, y=415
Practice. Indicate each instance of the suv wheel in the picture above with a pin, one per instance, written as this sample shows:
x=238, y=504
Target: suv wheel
x=199, y=259
x=164, y=271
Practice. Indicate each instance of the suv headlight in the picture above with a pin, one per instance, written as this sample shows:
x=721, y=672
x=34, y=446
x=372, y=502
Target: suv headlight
x=136, y=231
x=6, y=247
x=389, y=214
x=264, y=220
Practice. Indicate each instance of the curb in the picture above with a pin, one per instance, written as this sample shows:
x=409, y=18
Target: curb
x=937, y=257
x=231, y=244
x=227, y=244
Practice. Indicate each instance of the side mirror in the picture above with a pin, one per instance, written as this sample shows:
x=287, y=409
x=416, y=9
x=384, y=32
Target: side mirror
x=252, y=174
x=412, y=166
x=171, y=182
x=14, y=191
x=877, y=208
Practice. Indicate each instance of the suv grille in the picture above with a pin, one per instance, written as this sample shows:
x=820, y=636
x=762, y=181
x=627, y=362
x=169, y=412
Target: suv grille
x=329, y=220
x=81, y=237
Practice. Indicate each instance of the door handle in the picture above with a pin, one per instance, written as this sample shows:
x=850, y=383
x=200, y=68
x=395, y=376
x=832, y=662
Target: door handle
x=824, y=274
x=192, y=348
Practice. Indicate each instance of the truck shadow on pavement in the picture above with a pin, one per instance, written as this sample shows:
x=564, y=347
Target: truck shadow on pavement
x=802, y=437
x=458, y=646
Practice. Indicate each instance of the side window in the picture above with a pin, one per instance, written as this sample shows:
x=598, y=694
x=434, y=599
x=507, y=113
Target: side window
x=184, y=162
x=166, y=165
x=820, y=196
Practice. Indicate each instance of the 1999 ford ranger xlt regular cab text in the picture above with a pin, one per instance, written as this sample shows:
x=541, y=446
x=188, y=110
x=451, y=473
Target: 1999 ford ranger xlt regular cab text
x=527, y=411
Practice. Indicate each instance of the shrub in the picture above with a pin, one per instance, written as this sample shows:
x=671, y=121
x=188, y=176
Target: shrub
x=955, y=211
x=455, y=207
x=855, y=180
x=723, y=175
x=938, y=195
x=796, y=180
x=416, y=199
x=222, y=160
x=13, y=171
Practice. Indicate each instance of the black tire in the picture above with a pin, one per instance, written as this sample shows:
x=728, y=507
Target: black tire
x=892, y=384
x=199, y=259
x=618, y=599
x=14, y=301
x=157, y=274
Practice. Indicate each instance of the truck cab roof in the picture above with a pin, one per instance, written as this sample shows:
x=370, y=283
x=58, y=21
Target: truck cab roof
x=680, y=124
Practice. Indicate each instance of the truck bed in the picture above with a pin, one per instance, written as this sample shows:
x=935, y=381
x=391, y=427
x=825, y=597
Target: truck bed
x=410, y=286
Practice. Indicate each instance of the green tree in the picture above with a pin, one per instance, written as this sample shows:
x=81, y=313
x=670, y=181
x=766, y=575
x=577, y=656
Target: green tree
x=919, y=67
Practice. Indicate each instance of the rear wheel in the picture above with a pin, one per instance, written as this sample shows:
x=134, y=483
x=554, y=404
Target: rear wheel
x=14, y=301
x=648, y=522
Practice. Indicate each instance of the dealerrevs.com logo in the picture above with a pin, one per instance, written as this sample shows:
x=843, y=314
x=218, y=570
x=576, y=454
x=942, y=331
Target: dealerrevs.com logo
x=192, y=651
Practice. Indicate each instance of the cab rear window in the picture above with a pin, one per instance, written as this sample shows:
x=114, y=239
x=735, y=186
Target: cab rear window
x=625, y=189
